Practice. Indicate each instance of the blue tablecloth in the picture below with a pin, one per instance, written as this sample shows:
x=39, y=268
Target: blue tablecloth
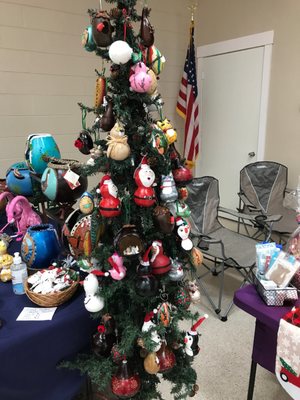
x=31, y=351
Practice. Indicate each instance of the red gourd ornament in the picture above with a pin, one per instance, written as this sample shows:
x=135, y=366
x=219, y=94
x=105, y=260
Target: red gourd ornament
x=144, y=177
x=166, y=358
x=160, y=263
x=110, y=205
x=125, y=383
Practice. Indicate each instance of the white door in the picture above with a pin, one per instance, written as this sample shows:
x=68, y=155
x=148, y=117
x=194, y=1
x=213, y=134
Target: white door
x=232, y=125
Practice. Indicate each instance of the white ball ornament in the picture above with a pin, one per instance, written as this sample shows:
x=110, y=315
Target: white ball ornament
x=120, y=52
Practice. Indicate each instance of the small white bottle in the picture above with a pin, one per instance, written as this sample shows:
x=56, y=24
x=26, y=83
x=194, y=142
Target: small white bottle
x=19, y=274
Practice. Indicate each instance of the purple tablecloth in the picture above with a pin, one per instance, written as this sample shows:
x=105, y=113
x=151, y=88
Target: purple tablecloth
x=267, y=323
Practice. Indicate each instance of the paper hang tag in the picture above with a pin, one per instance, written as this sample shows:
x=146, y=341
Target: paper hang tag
x=72, y=179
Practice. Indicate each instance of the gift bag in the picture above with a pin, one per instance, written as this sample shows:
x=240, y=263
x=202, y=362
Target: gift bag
x=287, y=366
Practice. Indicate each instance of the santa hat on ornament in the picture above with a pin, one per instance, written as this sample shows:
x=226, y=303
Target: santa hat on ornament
x=148, y=320
x=193, y=330
x=106, y=179
x=145, y=259
x=96, y=272
x=180, y=221
x=113, y=264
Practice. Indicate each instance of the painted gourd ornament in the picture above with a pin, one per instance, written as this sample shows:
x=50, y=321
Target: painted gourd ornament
x=108, y=119
x=40, y=147
x=183, y=232
x=110, y=205
x=194, y=291
x=103, y=341
x=155, y=60
x=168, y=130
x=182, y=175
x=124, y=383
x=176, y=273
x=18, y=179
x=166, y=358
x=86, y=203
x=118, y=149
x=164, y=221
x=160, y=263
x=144, y=177
x=100, y=91
x=57, y=187
x=87, y=40
x=151, y=363
x=102, y=29
x=153, y=87
x=118, y=271
x=168, y=190
x=84, y=142
x=140, y=80
x=196, y=257
x=147, y=31
x=191, y=339
x=159, y=140
x=182, y=298
x=128, y=242
x=146, y=284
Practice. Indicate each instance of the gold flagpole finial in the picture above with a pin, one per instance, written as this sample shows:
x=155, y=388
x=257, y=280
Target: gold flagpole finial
x=192, y=7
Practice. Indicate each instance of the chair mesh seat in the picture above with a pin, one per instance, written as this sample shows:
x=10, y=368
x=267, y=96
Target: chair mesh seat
x=238, y=247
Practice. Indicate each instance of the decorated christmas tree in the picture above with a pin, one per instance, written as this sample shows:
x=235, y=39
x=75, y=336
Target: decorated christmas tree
x=139, y=257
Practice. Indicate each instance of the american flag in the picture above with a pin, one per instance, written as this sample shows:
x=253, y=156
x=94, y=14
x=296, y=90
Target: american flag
x=187, y=106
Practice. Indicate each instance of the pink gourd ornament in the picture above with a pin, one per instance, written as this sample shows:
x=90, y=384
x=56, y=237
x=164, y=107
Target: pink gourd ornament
x=118, y=270
x=19, y=211
x=140, y=80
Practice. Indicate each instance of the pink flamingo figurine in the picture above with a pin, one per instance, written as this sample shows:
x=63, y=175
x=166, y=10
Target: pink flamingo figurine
x=118, y=270
x=19, y=211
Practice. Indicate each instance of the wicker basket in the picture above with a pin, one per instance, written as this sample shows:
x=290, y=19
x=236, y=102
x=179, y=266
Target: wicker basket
x=51, y=299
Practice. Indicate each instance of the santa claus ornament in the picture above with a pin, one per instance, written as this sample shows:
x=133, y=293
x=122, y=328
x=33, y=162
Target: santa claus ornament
x=160, y=263
x=183, y=232
x=110, y=205
x=144, y=177
x=192, y=338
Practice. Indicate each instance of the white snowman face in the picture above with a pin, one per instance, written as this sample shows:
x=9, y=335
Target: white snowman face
x=183, y=231
x=112, y=189
x=90, y=284
x=146, y=175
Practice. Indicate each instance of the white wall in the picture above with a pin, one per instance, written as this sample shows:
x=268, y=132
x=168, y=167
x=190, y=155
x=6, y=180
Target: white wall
x=44, y=71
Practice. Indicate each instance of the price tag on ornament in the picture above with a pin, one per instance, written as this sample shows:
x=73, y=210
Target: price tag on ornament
x=36, y=314
x=72, y=179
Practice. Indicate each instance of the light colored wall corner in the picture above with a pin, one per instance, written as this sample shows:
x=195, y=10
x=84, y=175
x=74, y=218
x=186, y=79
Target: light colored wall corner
x=236, y=18
x=45, y=72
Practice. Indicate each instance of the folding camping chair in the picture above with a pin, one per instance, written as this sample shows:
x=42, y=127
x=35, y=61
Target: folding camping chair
x=262, y=192
x=226, y=248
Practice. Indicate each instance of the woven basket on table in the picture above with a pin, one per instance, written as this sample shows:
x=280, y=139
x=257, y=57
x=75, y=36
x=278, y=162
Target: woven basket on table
x=51, y=299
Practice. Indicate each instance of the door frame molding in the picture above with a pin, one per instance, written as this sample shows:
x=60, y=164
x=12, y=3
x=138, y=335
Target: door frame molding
x=263, y=39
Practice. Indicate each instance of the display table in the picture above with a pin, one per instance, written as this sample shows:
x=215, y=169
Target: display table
x=31, y=351
x=266, y=327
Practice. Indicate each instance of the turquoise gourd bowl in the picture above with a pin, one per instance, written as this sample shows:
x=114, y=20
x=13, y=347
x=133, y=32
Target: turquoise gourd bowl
x=18, y=179
x=39, y=148
x=40, y=246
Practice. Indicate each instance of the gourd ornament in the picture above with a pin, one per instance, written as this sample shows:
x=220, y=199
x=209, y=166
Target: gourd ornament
x=168, y=190
x=140, y=80
x=110, y=205
x=191, y=339
x=144, y=177
x=160, y=263
x=147, y=31
x=102, y=29
x=108, y=119
x=183, y=232
x=118, y=271
x=92, y=301
x=118, y=148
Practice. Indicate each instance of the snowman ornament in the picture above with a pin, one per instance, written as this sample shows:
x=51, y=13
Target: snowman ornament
x=92, y=301
x=144, y=195
x=150, y=325
x=183, y=231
